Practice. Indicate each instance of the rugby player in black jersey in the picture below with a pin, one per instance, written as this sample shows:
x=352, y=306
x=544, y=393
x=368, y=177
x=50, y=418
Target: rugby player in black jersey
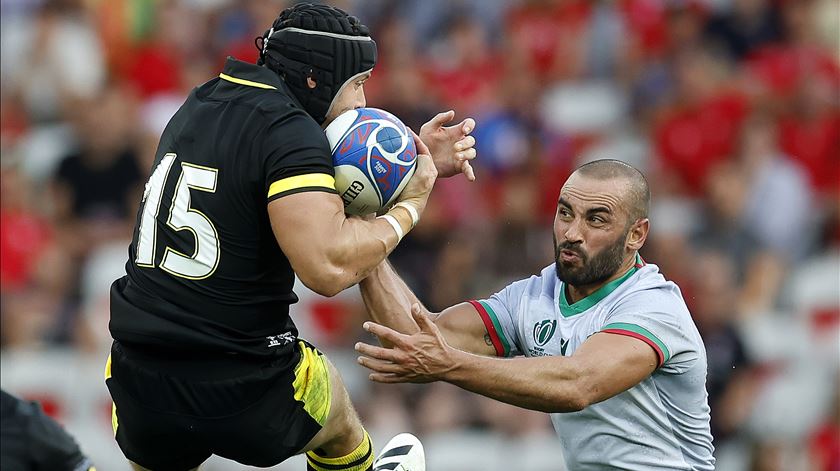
x=241, y=198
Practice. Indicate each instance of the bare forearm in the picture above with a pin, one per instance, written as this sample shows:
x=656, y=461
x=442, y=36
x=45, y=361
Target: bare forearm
x=548, y=384
x=389, y=299
x=359, y=246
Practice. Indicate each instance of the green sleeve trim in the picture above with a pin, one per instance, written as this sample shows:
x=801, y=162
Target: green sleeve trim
x=637, y=329
x=497, y=326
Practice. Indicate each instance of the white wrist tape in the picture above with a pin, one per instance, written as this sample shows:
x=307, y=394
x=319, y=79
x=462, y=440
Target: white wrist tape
x=395, y=224
x=415, y=216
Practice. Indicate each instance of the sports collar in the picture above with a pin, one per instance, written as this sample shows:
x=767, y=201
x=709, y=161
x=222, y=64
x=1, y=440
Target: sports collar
x=582, y=305
x=237, y=72
x=251, y=75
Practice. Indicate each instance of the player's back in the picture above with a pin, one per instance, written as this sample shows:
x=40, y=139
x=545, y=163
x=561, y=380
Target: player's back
x=204, y=268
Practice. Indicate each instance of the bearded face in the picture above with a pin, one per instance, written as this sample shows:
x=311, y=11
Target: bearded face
x=576, y=267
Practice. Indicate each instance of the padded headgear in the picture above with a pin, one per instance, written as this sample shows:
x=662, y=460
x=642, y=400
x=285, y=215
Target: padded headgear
x=321, y=42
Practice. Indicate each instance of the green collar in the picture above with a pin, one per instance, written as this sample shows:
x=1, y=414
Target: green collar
x=569, y=310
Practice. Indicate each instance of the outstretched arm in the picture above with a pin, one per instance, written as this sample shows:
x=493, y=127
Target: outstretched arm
x=605, y=365
x=389, y=301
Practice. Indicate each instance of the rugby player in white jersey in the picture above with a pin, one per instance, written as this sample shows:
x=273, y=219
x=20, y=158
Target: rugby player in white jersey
x=599, y=339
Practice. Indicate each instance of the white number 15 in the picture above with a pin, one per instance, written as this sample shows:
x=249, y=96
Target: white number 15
x=204, y=260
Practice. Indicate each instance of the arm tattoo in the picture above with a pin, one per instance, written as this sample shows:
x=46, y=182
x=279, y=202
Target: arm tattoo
x=487, y=340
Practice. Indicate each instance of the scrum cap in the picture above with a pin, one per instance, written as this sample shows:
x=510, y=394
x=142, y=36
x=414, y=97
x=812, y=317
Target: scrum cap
x=321, y=42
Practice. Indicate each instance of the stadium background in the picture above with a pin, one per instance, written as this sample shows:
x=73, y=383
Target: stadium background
x=729, y=106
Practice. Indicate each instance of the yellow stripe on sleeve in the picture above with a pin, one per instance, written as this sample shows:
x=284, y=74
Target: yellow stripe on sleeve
x=318, y=180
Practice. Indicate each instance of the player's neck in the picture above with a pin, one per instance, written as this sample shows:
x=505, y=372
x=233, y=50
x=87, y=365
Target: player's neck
x=576, y=293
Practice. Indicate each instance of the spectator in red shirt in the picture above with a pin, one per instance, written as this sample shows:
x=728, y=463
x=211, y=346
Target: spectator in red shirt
x=24, y=234
x=549, y=37
x=700, y=127
x=466, y=72
x=825, y=441
x=810, y=134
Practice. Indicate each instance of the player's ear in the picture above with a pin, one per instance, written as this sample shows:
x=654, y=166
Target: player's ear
x=638, y=233
x=310, y=79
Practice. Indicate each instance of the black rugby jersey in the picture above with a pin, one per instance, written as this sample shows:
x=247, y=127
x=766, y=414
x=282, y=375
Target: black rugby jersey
x=205, y=272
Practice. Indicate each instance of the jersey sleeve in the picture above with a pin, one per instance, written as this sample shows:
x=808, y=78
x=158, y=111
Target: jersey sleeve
x=54, y=448
x=298, y=158
x=500, y=315
x=666, y=332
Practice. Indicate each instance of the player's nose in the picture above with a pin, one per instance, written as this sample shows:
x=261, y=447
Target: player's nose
x=572, y=233
x=361, y=101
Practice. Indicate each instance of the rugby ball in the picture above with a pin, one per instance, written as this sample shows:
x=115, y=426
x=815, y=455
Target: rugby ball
x=403, y=453
x=374, y=158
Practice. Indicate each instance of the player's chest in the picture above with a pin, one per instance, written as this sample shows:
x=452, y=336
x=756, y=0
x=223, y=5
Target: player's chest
x=552, y=334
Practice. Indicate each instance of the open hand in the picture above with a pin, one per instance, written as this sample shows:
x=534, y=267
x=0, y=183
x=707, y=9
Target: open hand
x=452, y=147
x=419, y=358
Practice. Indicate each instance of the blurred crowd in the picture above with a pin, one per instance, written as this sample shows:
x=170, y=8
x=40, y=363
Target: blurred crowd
x=731, y=108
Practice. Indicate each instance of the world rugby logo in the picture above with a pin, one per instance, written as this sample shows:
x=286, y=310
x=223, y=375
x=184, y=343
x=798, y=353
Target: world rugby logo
x=543, y=331
x=374, y=158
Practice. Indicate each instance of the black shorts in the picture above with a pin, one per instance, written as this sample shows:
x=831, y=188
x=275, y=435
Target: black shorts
x=173, y=414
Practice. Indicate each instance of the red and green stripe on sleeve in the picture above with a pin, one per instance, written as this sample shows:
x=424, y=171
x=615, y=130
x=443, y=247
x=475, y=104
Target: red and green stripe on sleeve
x=639, y=332
x=494, y=329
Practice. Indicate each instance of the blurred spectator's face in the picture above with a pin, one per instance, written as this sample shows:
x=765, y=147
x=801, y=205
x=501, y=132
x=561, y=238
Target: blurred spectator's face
x=105, y=126
x=590, y=230
x=695, y=75
x=749, y=8
x=12, y=188
x=759, y=140
x=467, y=39
x=350, y=97
x=799, y=19
x=726, y=192
x=715, y=288
x=684, y=27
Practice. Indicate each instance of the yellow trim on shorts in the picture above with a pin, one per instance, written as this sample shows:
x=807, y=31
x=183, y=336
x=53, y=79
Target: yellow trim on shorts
x=114, y=422
x=317, y=180
x=108, y=367
x=312, y=384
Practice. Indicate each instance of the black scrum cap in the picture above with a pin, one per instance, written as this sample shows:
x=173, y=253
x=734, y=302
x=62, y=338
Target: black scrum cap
x=321, y=42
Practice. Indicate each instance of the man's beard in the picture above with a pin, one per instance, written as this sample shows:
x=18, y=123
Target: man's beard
x=592, y=271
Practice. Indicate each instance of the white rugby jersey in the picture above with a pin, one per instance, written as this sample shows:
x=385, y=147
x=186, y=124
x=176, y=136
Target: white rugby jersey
x=662, y=422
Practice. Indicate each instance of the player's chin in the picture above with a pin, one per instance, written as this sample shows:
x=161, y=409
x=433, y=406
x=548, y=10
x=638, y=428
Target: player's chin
x=333, y=115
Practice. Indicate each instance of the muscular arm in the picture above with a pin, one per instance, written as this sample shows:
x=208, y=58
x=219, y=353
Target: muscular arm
x=329, y=251
x=389, y=300
x=605, y=365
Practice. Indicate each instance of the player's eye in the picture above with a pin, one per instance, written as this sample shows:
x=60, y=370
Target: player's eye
x=596, y=220
x=564, y=212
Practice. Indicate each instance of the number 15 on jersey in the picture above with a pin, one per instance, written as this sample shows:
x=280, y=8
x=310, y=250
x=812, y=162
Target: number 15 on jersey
x=182, y=217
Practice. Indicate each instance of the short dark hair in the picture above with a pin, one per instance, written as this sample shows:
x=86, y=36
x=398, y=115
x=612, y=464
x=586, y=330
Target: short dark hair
x=638, y=191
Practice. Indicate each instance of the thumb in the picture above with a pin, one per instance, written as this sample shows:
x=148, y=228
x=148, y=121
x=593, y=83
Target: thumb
x=421, y=318
x=419, y=145
x=467, y=126
x=442, y=118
